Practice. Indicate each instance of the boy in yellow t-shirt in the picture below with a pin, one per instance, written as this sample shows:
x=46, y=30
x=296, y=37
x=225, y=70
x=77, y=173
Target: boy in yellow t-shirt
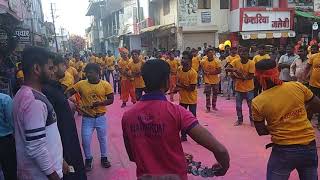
x=211, y=66
x=262, y=55
x=313, y=67
x=282, y=105
x=243, y=70
x=135, y=68
x=95, y=95
x=110, y=61
x=174, y=65
x=186, y=86
x=127, y=84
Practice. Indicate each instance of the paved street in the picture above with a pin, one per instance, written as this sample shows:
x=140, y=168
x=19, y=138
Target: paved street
x=248, y=155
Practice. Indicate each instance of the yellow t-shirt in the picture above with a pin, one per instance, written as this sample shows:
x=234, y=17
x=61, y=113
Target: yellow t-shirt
x=72, y=62
x=246, y=69
x=123, y=66
x=283, y=107
x=209, y=66
x=196, y=63
x=20, y=74
x=92, y=59
x=136, y=68
x=258, y=57
x=232, y=58
x=174, y=65
x=187, y=78
x=67, y=80
x=110, y=62
x=314, y=61
x=72, y=71
x=79, y=65
x=91, y=93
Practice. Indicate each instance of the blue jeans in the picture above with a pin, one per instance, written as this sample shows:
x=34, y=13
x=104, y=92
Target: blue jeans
x=240, y=96
x=283, y=160
x=88, y=126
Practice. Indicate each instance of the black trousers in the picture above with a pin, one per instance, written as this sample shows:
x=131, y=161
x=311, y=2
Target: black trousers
x=8, y=159
x=192, y=109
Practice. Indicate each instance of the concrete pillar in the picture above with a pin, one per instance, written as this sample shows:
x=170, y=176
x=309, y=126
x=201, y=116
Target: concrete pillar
x=216, y=39
x=179, y=39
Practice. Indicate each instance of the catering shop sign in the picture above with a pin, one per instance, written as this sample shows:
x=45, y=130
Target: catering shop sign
x=266, y=20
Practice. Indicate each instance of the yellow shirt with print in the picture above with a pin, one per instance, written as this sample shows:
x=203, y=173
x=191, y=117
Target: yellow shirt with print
x=174, y=65
x=314, y=61
x=246, y=69
x=258, y=57
x=230, y=58
x=187, y=78
x=209, y=66
x=283, y=107
x=110, y=62
x=196, y=63
x=123, y=66
x=136, y=68
x=79, y=65
x=67, y=80
x=91, y=93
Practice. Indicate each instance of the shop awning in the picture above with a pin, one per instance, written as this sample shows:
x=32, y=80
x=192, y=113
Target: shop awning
x=153, y=28
x=307, y=14
x=267, y=34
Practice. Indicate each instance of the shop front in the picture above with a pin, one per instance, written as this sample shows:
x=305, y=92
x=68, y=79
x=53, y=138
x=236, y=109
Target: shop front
x=265, y=26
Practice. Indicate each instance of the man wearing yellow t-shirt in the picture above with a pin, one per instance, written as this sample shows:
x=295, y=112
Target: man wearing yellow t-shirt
x=186, y=86
x=174, y=65
x=127, y=81
x=262, y=55
x=196, y=59
x=282, y=106
x=135, y=68
x=73, y=72
x=95, y=95
x=211, y=68
x=227, y=80
x=110, y=61
x=243, y=70
x=313, y=67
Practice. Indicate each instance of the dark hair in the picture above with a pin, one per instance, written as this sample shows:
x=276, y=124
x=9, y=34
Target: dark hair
x=34, y=55
x=155, y=74
x=187, y=55
x=135, y=51
x=233, y=48
x=92, y=67
x=261, y=46
x=56, y=58
x=266, y=64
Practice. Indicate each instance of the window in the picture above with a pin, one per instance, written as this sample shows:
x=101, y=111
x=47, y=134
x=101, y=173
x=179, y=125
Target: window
x=259, y=3
x=166, y=7
x=224, y=4
x=204, y=4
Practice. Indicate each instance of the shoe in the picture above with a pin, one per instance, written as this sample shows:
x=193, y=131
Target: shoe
x=123, y=105
x=88, y=164
x=228, y=98
x=215, y=109
x=238, y=123
x=208, y=110
x=105, y=162
x=134, y=102
x=183, y=139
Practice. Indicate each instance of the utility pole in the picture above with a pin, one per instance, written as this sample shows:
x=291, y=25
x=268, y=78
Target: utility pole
x=138, y=11
x=54, y=27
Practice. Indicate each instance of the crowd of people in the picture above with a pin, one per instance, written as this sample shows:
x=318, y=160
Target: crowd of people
x=39, y=139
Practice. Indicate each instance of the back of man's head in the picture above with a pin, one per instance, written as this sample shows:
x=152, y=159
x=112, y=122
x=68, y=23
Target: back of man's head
x=155, y=74
x=32, y=56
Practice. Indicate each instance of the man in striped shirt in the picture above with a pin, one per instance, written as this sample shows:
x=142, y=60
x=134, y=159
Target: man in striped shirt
x=38, y=143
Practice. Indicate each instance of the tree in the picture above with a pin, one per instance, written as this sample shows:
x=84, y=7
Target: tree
x=77, y=43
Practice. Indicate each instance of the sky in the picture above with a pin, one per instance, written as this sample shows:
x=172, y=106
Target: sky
x=70, y=15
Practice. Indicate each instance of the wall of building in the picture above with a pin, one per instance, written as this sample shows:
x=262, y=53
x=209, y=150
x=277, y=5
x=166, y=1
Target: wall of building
x=170, y=18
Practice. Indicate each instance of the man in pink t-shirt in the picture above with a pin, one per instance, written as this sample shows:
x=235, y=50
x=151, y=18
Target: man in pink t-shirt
x=151, y=129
